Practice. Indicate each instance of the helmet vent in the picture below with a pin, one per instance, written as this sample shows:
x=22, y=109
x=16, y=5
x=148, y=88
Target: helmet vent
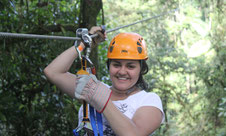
x=113, y=42
x=111, y=48
x=138, y=44
x=139, y=49
x=124, y=51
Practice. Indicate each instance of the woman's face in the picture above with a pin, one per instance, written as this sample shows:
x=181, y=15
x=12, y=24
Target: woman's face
x=124, y=73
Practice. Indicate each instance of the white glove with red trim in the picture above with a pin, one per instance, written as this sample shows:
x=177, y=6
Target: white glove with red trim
x=94, y=92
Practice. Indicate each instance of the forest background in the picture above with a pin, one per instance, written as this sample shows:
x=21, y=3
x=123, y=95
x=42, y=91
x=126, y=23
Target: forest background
x=187, y=54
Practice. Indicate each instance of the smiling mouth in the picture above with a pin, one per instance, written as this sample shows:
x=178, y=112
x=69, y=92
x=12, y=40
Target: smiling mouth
x=122, y=78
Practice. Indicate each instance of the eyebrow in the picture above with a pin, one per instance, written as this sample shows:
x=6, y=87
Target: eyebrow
x=130, y=62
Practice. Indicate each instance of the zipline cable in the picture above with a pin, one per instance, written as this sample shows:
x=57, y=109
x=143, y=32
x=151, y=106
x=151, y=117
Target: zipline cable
x=140, y=21
x=18, y=35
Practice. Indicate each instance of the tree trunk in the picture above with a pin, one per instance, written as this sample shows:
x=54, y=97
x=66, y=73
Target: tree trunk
x=88, y=16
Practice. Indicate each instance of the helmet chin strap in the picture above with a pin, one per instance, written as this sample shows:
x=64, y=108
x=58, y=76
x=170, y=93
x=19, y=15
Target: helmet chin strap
x=130, y=90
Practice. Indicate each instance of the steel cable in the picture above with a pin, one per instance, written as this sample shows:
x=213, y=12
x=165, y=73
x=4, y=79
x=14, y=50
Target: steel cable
x=18, y=35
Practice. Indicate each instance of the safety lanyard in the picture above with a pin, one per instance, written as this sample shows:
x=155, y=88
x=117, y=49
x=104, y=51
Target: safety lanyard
x=95, y=117
x=87, y=40
x=93, y=120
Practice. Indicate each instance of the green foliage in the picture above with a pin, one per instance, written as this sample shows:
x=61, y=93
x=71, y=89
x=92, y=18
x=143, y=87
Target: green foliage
x=29, y=104
x=186, y=60
x=187, y=56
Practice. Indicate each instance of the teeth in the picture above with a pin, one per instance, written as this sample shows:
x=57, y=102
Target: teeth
x=122, y=78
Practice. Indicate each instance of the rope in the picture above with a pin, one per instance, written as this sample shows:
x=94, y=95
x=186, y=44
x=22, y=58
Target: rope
x=17, y=35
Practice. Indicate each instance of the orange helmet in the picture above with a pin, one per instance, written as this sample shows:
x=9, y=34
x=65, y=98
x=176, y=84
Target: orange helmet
x=127, y=46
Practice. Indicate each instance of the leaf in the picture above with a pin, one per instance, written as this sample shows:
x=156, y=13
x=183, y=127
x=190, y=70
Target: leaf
x=2, y=117
x=21, y=106
x=200, y=27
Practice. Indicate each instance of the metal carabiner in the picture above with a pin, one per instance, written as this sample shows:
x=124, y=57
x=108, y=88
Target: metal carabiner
x=87, y=40
x=82, y=33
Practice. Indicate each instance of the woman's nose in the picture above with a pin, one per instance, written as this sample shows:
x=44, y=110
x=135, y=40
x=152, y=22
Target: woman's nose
x=122, y=70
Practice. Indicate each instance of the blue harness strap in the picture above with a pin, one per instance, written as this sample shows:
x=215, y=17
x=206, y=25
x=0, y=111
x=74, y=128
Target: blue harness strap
x=75, y=132
x=93, y=121
x=99, y=123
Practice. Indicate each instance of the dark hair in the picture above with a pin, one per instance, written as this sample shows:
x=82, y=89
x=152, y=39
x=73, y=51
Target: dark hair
x=141, y=83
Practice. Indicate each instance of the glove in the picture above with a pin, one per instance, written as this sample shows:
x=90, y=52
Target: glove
x=94, y=92
x=101, y=35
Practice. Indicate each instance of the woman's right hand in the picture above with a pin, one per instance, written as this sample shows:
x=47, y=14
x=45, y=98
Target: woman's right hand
x=93, y=91
x=102, y=35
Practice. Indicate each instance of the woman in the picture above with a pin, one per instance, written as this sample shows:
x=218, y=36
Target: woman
x=128, y=110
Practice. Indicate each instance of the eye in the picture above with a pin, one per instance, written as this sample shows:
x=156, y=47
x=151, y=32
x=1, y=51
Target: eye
x=130, y=66
x=116, y=64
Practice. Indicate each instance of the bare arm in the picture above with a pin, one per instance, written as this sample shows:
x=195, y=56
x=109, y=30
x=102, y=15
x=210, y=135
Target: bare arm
x=145, y=121
x=57, y=71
